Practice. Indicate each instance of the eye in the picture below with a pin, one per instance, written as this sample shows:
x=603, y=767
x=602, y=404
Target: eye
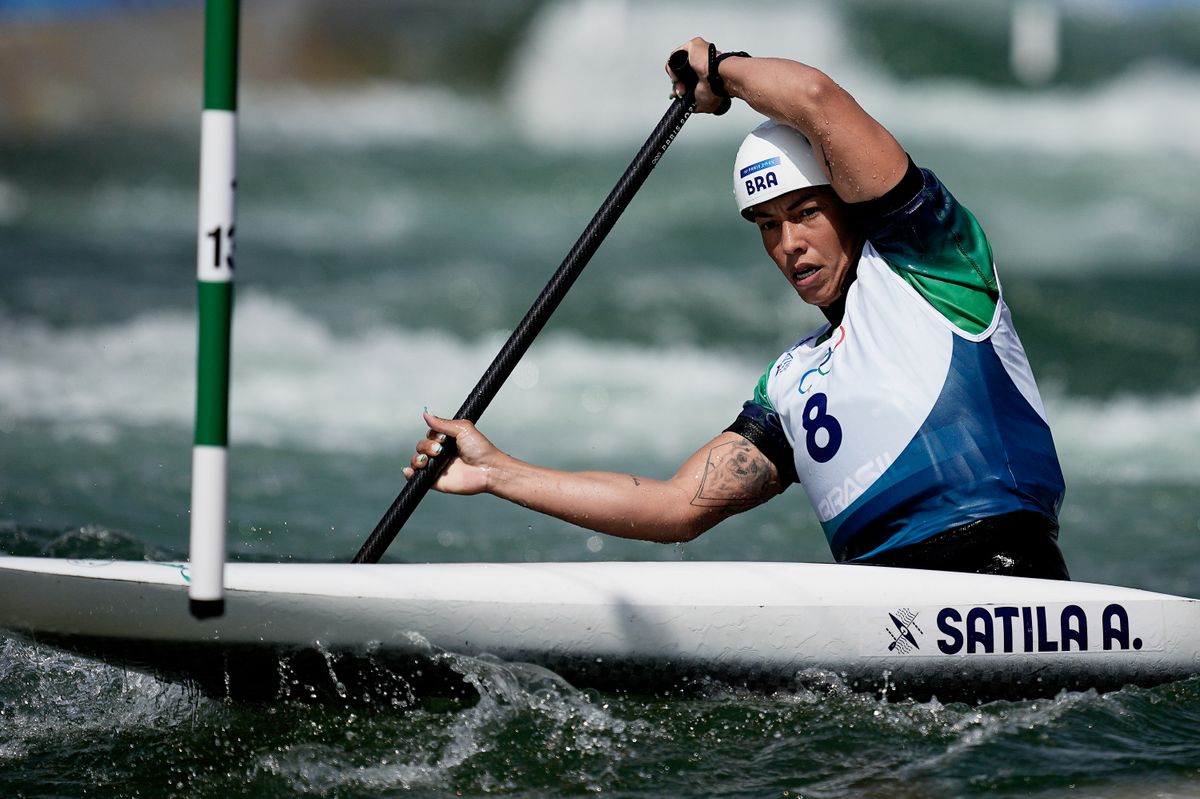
x=766, y=225
x=808, y=212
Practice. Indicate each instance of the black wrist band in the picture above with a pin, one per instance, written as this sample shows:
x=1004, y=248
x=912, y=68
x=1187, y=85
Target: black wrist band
x=715, y=82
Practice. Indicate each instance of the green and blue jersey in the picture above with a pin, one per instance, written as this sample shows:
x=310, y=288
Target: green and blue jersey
x=918, y=412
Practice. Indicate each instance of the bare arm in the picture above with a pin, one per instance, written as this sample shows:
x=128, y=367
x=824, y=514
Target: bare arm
x=725, y=476
x=860, y=157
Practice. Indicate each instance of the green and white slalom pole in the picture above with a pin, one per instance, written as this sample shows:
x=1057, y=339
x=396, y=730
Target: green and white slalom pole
x=214, y=273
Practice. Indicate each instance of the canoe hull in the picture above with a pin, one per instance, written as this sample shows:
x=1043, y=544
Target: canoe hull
x=357, y=630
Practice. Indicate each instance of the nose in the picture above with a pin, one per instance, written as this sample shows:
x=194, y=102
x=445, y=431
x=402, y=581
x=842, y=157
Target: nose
x=792, y=238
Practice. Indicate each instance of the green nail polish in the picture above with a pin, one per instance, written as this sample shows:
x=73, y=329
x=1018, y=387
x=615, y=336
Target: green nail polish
x=437, y=449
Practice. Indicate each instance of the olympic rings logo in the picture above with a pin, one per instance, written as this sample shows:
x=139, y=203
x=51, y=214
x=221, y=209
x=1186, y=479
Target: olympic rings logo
x=824, y=366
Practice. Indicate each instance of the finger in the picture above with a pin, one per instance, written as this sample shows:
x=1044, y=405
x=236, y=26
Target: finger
x=431, y=448
x=459, y=429
x=441, y=429
x=678, y=87
x=697, y=50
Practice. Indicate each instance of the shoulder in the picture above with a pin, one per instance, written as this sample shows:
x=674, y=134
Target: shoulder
x=936, y=245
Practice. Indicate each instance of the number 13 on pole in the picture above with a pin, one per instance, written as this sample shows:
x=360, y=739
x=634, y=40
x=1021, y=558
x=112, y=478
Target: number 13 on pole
x=214, y=273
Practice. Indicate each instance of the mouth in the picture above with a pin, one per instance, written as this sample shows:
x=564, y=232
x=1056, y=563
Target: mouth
x=801, y=274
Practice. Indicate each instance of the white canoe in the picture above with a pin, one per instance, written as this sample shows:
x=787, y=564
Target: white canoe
x=296, y=629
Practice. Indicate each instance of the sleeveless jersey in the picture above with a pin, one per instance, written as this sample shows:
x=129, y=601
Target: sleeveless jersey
x=901, y=424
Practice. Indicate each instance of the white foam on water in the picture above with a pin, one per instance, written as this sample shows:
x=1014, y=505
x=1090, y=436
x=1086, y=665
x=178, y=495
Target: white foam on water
x=568, y=92
x=349, y=218
x=64, y=696
x=1110, y=168
x=375, y=113
x=90, y=381
x=1155, y=107
x=568, y=396
x=1066, y=179
x=511, y=695
x=297, y=384
x=347, y=215
x=1128, y=438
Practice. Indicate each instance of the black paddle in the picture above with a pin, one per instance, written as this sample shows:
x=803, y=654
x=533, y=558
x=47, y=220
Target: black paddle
x=535, y=318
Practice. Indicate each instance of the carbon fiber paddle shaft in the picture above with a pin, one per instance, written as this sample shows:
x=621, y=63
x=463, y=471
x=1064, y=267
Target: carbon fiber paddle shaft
x=545, y=304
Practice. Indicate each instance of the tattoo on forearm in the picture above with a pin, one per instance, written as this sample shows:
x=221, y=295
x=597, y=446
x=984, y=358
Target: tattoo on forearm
x=636, y=481
x=736, y=476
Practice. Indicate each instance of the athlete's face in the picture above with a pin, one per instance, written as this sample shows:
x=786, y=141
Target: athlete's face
x=809, y=236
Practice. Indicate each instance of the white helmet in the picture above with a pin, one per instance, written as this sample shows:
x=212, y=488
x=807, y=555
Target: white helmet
x=773, y=160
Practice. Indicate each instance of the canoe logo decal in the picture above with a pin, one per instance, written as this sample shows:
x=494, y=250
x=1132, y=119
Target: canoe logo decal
x=904, y=622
